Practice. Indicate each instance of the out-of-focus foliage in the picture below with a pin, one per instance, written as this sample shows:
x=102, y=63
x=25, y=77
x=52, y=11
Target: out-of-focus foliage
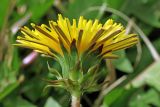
x=22, y=85
x=141, y=99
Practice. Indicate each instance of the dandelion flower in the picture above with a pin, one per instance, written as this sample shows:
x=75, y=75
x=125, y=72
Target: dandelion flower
x=86, y=34
x=79, y=47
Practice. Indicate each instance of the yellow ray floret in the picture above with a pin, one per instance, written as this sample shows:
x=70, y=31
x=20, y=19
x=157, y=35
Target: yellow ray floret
x=48, y=39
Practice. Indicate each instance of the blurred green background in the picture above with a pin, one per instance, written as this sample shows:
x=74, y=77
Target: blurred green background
x=135, y=76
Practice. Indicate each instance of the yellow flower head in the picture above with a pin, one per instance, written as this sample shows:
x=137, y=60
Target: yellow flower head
x=79, y=48
x=87, y=35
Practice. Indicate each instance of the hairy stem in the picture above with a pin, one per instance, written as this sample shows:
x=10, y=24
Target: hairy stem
x=75, y=101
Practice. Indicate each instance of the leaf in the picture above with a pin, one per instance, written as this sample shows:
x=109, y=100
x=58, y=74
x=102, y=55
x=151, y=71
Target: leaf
x=145, y=28
x=16, y=61
x=39, y=8
x=8, y=90
x=145, y=99
x=33, y=88
x=17, y=101
x=118, y=97
x=52, y=103
x=146, y=58
x=149, y=76
x=123, y=63
x=113, y=96
x=115, y=3
x=3, y=10
x=75, y=9
x=148, y=12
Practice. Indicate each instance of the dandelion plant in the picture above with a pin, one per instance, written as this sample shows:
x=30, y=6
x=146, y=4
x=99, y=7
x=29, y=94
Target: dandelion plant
x=79, y=47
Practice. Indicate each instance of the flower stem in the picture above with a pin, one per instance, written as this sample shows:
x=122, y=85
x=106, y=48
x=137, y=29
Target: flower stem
x=75, y=101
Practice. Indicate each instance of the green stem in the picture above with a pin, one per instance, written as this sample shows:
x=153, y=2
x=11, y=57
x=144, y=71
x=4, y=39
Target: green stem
x=75, y=101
